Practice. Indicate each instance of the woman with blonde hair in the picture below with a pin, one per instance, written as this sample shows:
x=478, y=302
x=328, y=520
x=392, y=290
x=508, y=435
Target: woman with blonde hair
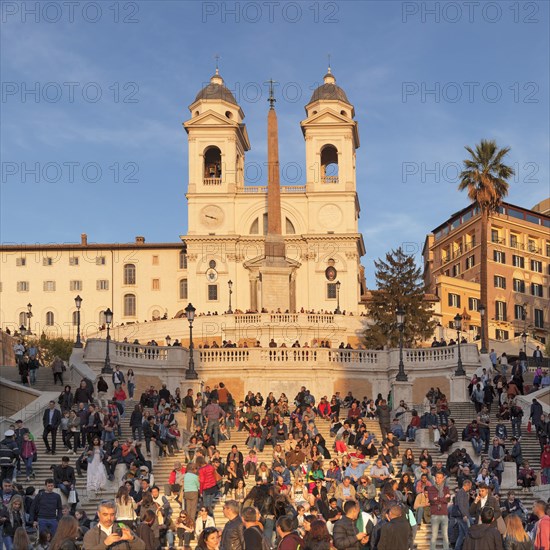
x=515, y=537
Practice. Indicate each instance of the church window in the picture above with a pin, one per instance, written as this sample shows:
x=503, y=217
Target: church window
x=23, y=318
x=329, y=164
x=331, y=291
x=212, y=292
x=50, y=318
x=183, y=259
x=129, y=274
x=75, y=318
x=183, y=289
x=212, y=164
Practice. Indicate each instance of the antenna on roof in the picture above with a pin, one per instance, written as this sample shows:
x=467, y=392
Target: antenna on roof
x=217, y=57
x=329, y=69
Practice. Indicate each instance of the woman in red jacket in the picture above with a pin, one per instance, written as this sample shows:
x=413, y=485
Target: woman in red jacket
x=28, y=450
x=208, y=479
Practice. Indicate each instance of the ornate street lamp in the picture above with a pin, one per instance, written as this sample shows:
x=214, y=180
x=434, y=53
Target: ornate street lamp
x=78, y=304
x=458, y=326
x=481, y=309
x=400, y=315
x=190, y=373
x=108, y=320
x=230, y=285
x=168, y=340
x=29, y=315
x=337, y=310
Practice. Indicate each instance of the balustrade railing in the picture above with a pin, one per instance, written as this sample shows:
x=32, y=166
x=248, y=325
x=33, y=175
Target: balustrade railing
x=256, y=318
x=212, y=181
x=329, y=179
x=135, y=351
x=224, y=355
x=287, y=355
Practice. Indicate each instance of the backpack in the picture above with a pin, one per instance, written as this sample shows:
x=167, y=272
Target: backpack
x=265, y=544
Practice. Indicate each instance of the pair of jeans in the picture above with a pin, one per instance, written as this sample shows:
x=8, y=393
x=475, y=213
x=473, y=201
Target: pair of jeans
x=516, y=427
x=28, y=465
x=47, y=430
x=47, y=525
x=65, y=489
x=440, y=521
x=463, y=527
x=131, y=388
x=477, y=444
x=32, y=374
x=213, y=430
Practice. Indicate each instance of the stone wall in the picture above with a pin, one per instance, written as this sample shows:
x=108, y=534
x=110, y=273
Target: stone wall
x=421, y=386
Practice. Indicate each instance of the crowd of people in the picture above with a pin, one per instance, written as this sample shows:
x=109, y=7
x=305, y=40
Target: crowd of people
x=349, y=491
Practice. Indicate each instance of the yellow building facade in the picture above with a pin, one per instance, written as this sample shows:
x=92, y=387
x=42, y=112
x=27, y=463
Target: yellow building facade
x=518, y=267
x=217, y=260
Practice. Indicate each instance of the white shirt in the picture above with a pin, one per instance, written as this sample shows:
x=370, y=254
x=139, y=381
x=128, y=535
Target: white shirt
x=107, y=531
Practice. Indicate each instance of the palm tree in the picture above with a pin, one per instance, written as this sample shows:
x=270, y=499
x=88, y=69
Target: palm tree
x=484, y=177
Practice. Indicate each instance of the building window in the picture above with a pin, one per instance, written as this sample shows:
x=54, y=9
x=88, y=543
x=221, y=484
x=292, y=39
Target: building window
x=23, y=286
x=129, y=305
x=331, y=291
x=519, y=285
x=129, y=274
x=75, y=285
x=20, y=262
x=183, y=260
x=454, y=300
x=519, y=312
x=75, y=318
x=47, y=261
x=548, y=249
x=536, y=266
x=495, y=236
x=513, y=241
x=183, y=289
x=102, y=284
x=536, y=290
x=501, y=334
x=155, y=260
x=49, y=286
x=473, y=304
x=155, y=284
x=23, y=319
x=500, y=311
x=518, y=261
x=470, y=261
x=212, y=292
x=500, y=282
x=73, y=260
x=499, y=256
x=100, y=260
x=539, y=318
x=102, y=318
x=456, y=270
x=50, y=319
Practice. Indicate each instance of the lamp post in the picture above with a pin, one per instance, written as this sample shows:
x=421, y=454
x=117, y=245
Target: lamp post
x=78, y=304
x=337, y=310
x=29, y=315
x=481, y=309
x=458, y=326
x=400, y=314
x=108, y=320
x=230, y=285
x=168, y=340
x=190, y=373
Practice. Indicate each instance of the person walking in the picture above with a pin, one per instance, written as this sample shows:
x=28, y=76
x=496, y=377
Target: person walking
x=484, y=536
x=346, y=535
x=213, y=413
x=462, y=512
x=51, y=420
x=439, y=496
x=542, y=527
x=232, y=535
x=57, y=369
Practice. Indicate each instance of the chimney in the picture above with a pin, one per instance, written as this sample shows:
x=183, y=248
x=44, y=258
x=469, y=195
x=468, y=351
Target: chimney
x=140, y=240
x=84, y=239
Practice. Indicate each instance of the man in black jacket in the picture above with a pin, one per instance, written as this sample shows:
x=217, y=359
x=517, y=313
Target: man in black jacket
x=51, y=420
x=346, y=535
x=395, y=535
x=462, y=512
x=484, y=536
x=482, y=500
x=232, y=535
x=63, y=476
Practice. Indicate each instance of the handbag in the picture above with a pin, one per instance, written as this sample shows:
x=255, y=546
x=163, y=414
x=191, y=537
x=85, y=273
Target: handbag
x=72, y=497
x=35, y=456
x=529, y=426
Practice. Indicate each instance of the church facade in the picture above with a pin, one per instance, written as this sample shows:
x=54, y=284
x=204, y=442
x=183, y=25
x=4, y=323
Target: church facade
x=270, y=248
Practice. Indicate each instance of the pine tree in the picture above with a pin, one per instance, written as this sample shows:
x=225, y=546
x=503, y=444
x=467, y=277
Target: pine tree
x=399, y=284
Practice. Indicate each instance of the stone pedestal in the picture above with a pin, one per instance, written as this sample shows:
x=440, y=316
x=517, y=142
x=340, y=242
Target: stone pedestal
x=422, y=438
x=459, y=389
x=64, y=499
x=276, y=288
x=401, y=391
x=509, y=476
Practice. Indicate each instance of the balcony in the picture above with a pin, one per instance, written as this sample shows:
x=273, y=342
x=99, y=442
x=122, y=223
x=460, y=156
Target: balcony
x=212, y=181
x=329, y=179
x=262, y=189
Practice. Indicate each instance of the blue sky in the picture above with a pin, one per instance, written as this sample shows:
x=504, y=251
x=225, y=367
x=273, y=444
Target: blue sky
x=486, y=63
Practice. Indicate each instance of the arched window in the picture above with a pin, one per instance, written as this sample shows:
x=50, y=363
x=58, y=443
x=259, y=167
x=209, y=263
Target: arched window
x=254, y=227
x=75, y=318
x=23, y=318
x=183, y=259
x=129, y=274
x=129, y=305
x=183, y=289
x=156, y=314
x=50, y=319
x=212, y=164
x=329, y=164
x=102, y=319
x=289, y=228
